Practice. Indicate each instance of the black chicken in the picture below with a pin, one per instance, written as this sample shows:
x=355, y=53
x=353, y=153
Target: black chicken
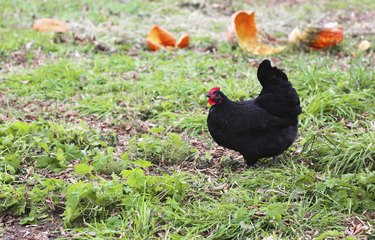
x=262, y=127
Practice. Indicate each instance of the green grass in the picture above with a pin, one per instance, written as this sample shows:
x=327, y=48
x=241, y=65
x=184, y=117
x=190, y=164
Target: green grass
x=114, y=144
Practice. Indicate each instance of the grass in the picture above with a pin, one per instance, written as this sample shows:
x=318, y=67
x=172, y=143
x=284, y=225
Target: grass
x=114, y=144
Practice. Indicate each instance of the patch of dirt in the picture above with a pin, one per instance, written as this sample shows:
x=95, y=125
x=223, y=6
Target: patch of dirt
x=214, y=165
x=66, y=174
x=355, y=22
x=26, y=58
x=356, y=227
x=46, y=229
x=31, y=110
x=225, y=7
x=288, y=3
x=28, y=110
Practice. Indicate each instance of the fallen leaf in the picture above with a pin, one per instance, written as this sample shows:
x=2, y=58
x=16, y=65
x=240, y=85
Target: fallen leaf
x=183, y=41
x=50, y=25
x=159, y=38
x=318, y=37
x=293, y=36
x=364, y=45
x=242, y=30
x=324, y=37
x=356, y=226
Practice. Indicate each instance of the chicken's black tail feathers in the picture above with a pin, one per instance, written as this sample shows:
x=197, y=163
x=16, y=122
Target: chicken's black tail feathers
x=269, y=76
x=278, y=97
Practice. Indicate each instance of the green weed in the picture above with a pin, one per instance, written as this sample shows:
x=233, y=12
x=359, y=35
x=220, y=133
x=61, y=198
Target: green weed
x=160, y=148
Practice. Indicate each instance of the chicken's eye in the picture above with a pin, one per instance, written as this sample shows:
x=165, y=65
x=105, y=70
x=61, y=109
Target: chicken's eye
x=217, y=95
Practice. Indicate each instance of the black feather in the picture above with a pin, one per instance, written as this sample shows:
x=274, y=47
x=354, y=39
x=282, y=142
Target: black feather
x=277, y=97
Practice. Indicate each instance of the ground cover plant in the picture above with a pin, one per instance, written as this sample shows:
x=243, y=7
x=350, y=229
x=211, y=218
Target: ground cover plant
x=101, y=138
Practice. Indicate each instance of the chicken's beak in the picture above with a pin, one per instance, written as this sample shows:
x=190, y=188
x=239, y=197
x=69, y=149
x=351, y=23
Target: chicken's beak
x=208, y=95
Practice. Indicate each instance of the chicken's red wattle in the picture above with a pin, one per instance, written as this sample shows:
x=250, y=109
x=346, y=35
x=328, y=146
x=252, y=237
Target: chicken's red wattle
x=211, y=102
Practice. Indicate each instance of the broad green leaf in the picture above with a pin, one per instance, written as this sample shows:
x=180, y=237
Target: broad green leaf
x=82, y=169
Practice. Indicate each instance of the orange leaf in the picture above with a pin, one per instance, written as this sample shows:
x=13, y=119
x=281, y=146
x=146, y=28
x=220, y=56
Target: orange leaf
x=153, y=46
x=183, y=41
x=50, y=25
x=159, y=37
x=318, y=37
x=327, y=37
x=242, y=29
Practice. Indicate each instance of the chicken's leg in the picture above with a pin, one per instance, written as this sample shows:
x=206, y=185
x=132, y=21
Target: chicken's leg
x=274, y=159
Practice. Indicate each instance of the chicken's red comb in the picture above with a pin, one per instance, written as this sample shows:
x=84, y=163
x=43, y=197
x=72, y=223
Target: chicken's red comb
x=215, y=89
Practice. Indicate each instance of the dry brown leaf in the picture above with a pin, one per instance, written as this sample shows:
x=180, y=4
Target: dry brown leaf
x=50, y=25
x=242, y=30
x=318, y=37
x=159, y=38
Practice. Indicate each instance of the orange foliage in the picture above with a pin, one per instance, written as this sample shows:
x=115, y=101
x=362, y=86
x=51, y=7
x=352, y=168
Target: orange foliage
x=50, y=25
x=318, y=37
x=183, y=41
x=242, y=30
x=159, y=38
x=327, y=37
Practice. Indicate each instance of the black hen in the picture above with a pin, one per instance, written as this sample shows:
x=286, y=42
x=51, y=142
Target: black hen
x=262, y=127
